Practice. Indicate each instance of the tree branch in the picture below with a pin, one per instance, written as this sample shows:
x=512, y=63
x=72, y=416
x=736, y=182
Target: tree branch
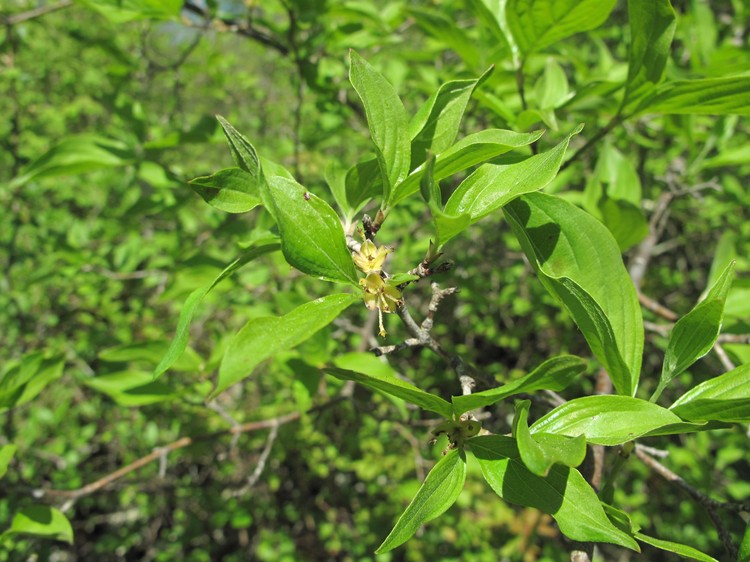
x=37, y=12
x=160, y=452
x=709, y=504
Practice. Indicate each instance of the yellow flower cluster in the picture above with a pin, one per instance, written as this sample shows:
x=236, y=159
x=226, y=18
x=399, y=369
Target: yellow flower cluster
x=379, y=293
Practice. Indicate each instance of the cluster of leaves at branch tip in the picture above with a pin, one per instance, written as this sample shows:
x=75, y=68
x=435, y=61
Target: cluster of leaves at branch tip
x=456, y=431
x=380, y=292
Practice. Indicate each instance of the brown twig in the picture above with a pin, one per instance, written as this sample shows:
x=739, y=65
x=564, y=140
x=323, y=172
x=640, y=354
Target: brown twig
x=653, y=306
x=709, y=504
x=160, y=452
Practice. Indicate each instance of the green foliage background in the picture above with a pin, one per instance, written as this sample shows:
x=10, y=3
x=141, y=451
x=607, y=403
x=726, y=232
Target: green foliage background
x=100, y=249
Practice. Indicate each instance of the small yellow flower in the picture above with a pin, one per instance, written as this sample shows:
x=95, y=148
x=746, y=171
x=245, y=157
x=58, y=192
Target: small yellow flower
x=381, y=295
x=370, y=258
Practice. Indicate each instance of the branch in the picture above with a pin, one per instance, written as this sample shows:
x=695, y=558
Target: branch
x=709, y=504
x=37, y=12
x=423, y=338
x=260, y=36
x=160, y=452
x=659, y=309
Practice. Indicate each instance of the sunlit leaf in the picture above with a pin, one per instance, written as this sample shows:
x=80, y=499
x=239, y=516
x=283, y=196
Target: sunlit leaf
x=536, y=24
x=396, y=387
x=76, y=155
x=554, y=374
x=695, y=333
x=232, y=190
x=563, y=493
x=179, y=343
x=579, y=262
x=438, y=492
x=710, y=96
x=652, y=26
x=387, y=120
x=605, y=420
x=41, y=521
x=723, y=398
x=541, y=451
x=261, y=338
x=6, y=455
x=471, y=150
x=312, y=237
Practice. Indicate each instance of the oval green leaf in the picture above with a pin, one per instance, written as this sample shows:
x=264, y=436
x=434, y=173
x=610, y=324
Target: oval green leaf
x=536, y=24
x=438, y=492
x=435, y=126
x=262, y=338
x=387, y=120
x=652, y=26
x=312, y=237
x=563, y=493
x=42, y=521
x=395, y=387
x=179, y=343
x=491, y=186
x=578, y=261
x=695, y=333
x=724, y=398
x=541, y=451
x=232, y=190
x=605, y=420
x=554, y=374
x=6, y=455
x=471, y=150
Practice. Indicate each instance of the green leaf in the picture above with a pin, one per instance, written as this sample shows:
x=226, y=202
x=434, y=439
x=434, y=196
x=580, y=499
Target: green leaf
x=387, y=120
x=262, y=338
x=579, y=262
x=435, y=126
x=122, y=11
x=232, y=190
x=395, y=387
x=131, y=388
x=151, y=353
x=76, y=155
x=682, y=550
x=448, y=226
x=652, y=25
x=541, y=451
x=605, y=420
x=312, y=237
x=179, y=343
x=41, y=521
x=243, y=152
x=335, y=176
x=711, y=96
x=438, y=492
x=563, y=493
x=469, y=151
x=363, y=182
x=744, y=553
x=428, y=187
x=536, y=24
x=552, y=89
x=492, y=186
x=624, y=220
x=6, y=455
x=724, y=398
x=446, y=30
x=695, y=333
x=554, y=374
x=23, y=381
